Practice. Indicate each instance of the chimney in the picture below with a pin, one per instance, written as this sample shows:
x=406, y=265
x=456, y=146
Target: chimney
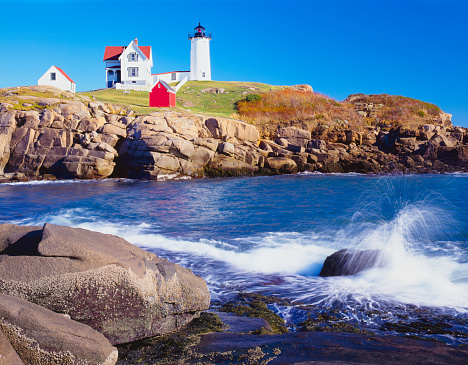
x=136, y=41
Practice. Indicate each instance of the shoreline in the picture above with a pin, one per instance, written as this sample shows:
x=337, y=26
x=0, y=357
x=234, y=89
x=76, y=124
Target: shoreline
x=25, y=180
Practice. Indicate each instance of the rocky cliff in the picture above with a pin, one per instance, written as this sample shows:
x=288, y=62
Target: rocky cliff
x=48, y=133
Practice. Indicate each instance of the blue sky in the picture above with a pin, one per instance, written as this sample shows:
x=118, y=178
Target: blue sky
x=414, y=48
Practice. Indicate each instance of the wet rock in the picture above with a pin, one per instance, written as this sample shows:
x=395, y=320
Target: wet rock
x=418, y=159
x=100, y=280
x=40, y=336
x=350, y=262
x=8, y=353
x=362, y=166
x=332, y=168
x=282, y=164
x=222, y=165
x=87, y=167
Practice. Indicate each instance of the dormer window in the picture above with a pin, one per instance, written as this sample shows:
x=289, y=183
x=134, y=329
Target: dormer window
x=173, y=76
x=52, y=76
x=133, y=57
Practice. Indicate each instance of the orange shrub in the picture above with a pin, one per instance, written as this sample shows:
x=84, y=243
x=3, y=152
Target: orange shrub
x=295, y=105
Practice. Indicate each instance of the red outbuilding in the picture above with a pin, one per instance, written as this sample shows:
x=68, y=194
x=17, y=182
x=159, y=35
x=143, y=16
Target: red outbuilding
x=162, y=95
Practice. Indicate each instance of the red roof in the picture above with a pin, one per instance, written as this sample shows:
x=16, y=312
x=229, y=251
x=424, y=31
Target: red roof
x=64, y=74
x=165, y=84
x=113, y=53
x=146, y=50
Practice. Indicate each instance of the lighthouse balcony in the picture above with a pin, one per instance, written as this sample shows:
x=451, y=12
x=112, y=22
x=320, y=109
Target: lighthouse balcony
x=199, y=35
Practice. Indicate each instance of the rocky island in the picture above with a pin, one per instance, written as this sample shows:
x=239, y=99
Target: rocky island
x=47, y=133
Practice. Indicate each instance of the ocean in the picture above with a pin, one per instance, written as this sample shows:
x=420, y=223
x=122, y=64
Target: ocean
x=271, y=235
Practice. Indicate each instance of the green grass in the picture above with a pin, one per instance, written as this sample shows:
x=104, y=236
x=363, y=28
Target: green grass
x=14, y=96
x=190, y=97
x=137, y=100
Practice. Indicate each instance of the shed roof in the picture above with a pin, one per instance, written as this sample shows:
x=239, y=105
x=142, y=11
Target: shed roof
x=64, y=74
x=166, y=85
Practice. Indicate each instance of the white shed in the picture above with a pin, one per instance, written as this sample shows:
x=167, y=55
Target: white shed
x=55, y=76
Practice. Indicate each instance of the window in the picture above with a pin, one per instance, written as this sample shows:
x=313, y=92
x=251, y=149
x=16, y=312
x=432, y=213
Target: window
x=52, y=76
x=133, y=57
x=173, y=76
x=133, y=72
x=203, y=74
x=110, y=73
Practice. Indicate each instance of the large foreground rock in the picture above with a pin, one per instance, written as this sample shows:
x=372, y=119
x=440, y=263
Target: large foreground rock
x=100, y=280
x=41, y=336
x=351, y=262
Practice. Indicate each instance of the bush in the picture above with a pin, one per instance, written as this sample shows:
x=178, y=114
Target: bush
x=295, y=105
x=420, y=113
x=253, y=97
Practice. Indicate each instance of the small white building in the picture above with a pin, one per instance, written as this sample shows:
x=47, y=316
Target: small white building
x=129, y=65
x=173, y=76
x=55, y=76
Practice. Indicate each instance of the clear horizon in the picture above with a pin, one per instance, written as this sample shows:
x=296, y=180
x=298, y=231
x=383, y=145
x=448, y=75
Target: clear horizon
x=412, y=48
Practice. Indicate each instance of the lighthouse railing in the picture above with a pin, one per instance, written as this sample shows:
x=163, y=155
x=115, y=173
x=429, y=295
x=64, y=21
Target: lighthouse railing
x=199, y=35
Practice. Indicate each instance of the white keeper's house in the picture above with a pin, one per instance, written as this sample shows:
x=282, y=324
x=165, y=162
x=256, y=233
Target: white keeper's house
x=130, y=67
x=55, y=76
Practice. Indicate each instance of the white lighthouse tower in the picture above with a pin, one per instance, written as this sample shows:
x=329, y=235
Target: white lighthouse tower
x=200, y=64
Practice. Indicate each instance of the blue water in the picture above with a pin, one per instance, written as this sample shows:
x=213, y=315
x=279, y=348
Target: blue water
x=272, y=234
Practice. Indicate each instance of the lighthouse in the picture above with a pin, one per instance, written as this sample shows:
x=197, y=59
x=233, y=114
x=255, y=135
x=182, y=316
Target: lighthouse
x=200, y=64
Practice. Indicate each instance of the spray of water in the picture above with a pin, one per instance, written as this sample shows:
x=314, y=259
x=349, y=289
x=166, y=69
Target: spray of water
x=412, y=234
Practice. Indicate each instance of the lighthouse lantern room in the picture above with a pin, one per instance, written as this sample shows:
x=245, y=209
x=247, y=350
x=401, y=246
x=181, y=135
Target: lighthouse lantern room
x=200, y=63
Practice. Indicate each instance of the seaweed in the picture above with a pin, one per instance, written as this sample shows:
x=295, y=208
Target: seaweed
x=256, y=305
x=168, y=347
